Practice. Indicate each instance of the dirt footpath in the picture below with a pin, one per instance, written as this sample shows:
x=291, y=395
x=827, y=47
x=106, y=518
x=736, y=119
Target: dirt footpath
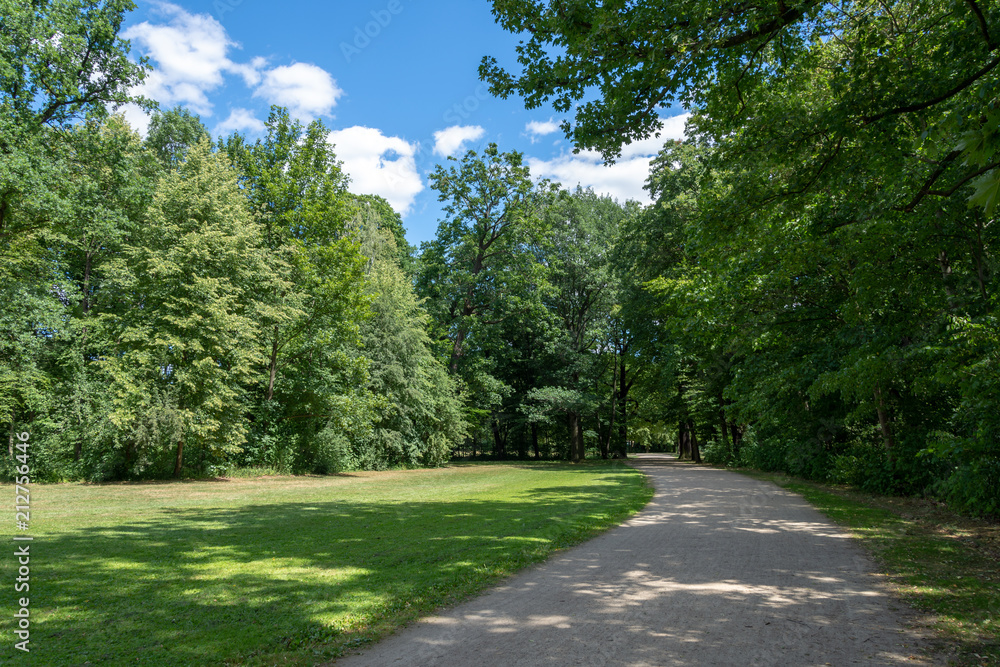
x=718, y=569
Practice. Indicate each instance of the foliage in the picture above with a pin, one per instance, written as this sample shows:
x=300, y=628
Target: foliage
x=187, y=331
x=823, y=276
x=420, y=414
x=172, y=133
x=311, y=301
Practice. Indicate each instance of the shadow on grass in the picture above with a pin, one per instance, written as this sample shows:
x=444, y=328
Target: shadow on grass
x=210, y=585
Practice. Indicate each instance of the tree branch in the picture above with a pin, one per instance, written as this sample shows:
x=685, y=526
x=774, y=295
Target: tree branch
x=965, y=83
x=982, y=24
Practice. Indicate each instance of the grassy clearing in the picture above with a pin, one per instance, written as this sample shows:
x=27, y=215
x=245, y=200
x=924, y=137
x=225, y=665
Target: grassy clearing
x=284, y=570
x=938, y=561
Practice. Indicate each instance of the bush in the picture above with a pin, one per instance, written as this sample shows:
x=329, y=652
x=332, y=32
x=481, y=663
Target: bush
x=865, y=466
x=973, y=487
x=333, y=453
x=438, y=450
x=767, y=456
x=716, y=453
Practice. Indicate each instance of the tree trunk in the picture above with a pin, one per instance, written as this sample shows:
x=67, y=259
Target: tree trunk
x=683, y=441
x=273, y=366
x=499, y=440
x=601, y=442
x=695, y=451
x=883, y=421
x=534, y=440
x=522, y=443
x=723, y=427
x=621, y=441
x=614, y=407
x=624, y=386
x=576, y=452
x=737, y=434
x=179, y=463
x=467, y=310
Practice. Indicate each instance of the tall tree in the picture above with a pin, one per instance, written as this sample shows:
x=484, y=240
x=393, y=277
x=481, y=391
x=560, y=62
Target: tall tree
x=298, y=192
x=59, y=60
x=584, y=228
x=481, y=263
x=419, y=420
x=186, y=345
x=172, y=133
x=479, y=256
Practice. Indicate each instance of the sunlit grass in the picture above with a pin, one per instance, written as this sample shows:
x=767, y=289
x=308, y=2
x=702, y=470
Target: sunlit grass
x=285, y=570
x=938, y=561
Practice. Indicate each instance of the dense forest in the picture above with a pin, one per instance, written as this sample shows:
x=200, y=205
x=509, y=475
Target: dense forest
x=813, y=289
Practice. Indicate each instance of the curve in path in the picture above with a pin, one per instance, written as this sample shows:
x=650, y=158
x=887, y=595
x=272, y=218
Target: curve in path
x=718, y=569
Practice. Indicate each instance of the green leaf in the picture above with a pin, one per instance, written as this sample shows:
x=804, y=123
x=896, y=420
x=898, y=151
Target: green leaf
x=987, y=190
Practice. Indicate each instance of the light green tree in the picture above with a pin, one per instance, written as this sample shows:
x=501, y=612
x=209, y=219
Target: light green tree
x=185, y=345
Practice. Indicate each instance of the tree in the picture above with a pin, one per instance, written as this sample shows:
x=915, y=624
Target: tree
x=109, y=188
x=420, y=411
x=172, y=133
x=314, y=298
x=866, y=74
x=482, y=264
x=832, y=270
x=186, y=345
x=584, y=227
x=59, y=60
x=479, y=254
x=376, y=210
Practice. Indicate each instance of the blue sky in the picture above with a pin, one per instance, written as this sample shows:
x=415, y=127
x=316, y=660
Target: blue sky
x=395, y=80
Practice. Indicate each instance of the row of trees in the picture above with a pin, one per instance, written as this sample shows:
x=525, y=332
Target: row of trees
x=189, y=307
x=529, y=290
x=172, y=306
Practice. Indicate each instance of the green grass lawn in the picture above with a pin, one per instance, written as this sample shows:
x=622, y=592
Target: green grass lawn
x=940, y=562
x=285, y=570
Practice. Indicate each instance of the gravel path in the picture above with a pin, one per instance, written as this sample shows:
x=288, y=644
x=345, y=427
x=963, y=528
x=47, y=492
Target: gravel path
x=719, y=569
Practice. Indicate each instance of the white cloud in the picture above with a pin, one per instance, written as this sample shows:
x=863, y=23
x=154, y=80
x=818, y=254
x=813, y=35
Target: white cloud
x=673, y=127
x=307, y=90
x=623, y=179
x=537, y=128
x=379, y=165
x=451, y=139
x=249, y=71
x=240, y=120
x=190, y=56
